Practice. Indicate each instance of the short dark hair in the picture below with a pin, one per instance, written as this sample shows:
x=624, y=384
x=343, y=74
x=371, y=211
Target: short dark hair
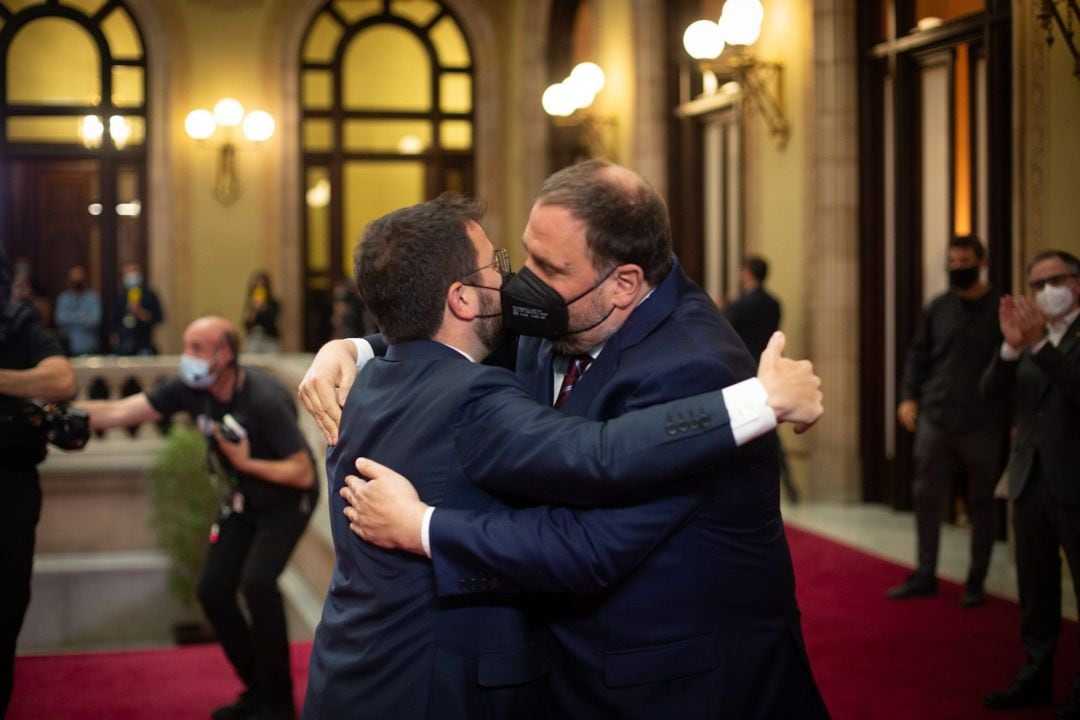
x=970, y=242
x=408, y=259
x=626, y=221
x=757, y=266
x=1067, y=258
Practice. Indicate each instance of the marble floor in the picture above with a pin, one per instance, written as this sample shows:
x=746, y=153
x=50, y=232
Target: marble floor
x=890, y=534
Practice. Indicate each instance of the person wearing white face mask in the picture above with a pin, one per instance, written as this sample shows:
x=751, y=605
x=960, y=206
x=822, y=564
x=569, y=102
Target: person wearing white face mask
x=265, y=474
x=1039, y=363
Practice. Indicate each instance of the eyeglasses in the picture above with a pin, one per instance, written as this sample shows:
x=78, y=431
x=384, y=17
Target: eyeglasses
x=501, y=263
x=1052, y=281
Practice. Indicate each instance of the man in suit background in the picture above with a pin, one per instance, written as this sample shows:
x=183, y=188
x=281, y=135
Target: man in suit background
x=1039, y=363
x=755, y=314
x=386, y=645
x=706, y=625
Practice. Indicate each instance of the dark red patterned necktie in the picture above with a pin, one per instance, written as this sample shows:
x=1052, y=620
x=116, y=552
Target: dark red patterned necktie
x=578, y=365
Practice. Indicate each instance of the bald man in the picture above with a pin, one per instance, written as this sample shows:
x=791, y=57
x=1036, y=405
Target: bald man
x=266, y=478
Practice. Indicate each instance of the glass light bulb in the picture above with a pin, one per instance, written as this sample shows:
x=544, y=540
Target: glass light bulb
x=259, y=126
x=556, y=101
x=588, y=76
x=200, y=124
x=740, y=21
x=703, y=40
x=228, y=112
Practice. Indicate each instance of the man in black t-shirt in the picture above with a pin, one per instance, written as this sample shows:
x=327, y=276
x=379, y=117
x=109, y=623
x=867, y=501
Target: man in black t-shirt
x=32, y=365
x=955, y=430
x=266, y=476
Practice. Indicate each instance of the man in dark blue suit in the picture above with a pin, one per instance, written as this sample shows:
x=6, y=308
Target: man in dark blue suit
x=706, y=623
x=387, y=646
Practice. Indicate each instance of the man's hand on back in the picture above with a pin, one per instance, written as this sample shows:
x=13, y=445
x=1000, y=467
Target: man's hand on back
x=794, y=390
x=326, y=385
x=384, y=510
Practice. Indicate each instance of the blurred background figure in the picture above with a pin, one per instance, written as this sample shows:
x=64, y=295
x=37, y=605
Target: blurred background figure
x=350, y=317
x=755, y=315
x=261, y=316
x=136, y=313
x=78, y=315
x=25, y=287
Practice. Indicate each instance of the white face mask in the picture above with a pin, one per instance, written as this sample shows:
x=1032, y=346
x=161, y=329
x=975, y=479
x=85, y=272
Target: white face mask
x=195, y=373
x=1054, y=301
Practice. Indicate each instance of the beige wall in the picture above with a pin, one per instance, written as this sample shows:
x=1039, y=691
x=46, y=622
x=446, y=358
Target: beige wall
x=1063, y=135
x=776, y=216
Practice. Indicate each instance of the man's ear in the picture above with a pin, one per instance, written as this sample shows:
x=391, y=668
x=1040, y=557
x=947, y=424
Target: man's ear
x=461, y=302
x=629, y=280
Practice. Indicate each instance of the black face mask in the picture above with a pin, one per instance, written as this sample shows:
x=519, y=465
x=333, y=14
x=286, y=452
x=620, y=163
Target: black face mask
x=963, y=278
x=532, y=307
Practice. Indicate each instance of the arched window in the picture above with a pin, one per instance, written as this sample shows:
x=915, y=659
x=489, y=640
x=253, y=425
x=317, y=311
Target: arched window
x=387, y=99
x=72, y=139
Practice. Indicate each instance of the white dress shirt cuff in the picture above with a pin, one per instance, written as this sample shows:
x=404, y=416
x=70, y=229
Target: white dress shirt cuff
x=425, y=531
x=748, y=410
x=364, y=352
x=1007, y=352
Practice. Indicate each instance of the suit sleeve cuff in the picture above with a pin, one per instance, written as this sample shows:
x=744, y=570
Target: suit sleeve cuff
x=364, y=352
x=1008, y=353
x=749, y=411
x=425, y=531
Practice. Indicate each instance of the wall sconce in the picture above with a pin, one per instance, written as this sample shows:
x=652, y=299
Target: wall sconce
x=257, y=126
x=739, y=27
x=567, y=102
x=1066, y=18
x=92, y=131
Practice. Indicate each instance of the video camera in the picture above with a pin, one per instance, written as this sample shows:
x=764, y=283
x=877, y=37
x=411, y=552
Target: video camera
x=65, y=427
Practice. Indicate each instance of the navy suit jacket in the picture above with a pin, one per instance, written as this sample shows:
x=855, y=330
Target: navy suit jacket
x=387, y=645
x=684, y=603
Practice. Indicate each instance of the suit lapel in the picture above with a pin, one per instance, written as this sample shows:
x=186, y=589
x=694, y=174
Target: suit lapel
x=1068, y=343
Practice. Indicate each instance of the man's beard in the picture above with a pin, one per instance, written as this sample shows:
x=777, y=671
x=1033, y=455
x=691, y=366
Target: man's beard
x=489, y=330
x=577, y=343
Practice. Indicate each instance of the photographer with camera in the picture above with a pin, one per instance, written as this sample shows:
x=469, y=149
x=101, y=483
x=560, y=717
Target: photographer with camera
x=32, y=365
x=265, y=474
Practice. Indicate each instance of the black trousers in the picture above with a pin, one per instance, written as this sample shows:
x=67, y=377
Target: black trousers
x=20, y=508
x=939, y=456
x=249, y=554
x=1043, y=526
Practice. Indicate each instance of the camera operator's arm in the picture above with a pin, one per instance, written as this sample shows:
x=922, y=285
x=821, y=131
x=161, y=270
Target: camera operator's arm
x=51, y=379
x=132, y=410
x=293, y=471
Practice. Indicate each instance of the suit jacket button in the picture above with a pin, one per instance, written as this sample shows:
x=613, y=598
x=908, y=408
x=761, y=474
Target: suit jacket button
x=671, y=428
x=683, y=426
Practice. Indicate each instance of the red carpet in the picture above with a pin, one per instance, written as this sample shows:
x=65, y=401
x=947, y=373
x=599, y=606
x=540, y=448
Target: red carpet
x=920, y=660
x=924, y=659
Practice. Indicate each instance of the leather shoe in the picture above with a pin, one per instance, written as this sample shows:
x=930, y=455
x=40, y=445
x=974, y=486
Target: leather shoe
x=916, y=585
x=1070, y=710
x=1019, y=694
x=245, y=707
x=973, y=596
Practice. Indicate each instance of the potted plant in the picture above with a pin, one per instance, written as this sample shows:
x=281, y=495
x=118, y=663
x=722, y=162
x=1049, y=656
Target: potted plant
x=183, y=507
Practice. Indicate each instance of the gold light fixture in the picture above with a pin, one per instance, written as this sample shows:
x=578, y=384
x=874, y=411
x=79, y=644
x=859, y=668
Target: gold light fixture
x=202, y=125
x=1066, y=13
x=737, y=29
x=568, y=103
